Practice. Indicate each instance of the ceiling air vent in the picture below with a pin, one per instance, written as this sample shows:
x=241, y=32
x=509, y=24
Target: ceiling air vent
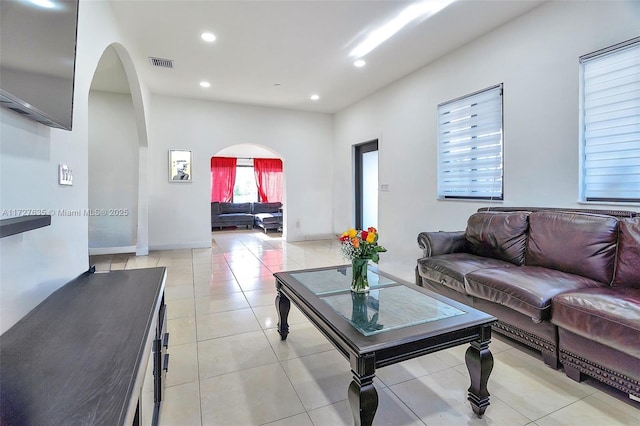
x=160, y=62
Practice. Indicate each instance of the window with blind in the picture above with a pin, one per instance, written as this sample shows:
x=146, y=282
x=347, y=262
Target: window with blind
x=470, y=161
x=610, y=124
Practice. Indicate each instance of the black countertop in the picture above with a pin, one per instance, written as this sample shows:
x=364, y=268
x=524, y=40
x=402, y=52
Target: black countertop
x=75, y=358
x=17, y=225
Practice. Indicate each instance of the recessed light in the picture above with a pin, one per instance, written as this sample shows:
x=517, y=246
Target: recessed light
x=359, y=63
x=209, y=37
x=314, y=97
x=205, y=84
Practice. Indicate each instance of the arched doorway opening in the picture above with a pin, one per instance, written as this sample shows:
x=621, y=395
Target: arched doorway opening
x=245, y=154
x=117, y=200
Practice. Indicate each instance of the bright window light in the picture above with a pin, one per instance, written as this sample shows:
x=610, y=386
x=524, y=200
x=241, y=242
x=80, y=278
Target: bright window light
x=423, y=9
x=245, y=189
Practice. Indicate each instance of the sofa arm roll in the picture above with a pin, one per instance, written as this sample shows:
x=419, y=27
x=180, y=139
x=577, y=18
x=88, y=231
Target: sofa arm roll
x=436, y=243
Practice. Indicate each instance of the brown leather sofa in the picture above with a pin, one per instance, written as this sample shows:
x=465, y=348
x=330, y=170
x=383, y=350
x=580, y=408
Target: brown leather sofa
x=565, y=282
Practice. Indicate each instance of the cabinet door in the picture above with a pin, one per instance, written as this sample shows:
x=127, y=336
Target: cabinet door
x=161, y=357
x=147, y=404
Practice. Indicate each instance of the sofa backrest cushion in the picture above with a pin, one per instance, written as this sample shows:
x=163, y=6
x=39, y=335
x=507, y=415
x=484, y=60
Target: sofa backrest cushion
x=627, y=272
x=577, y=243
x=499, y=235
x=266, y=207
x=235, y=208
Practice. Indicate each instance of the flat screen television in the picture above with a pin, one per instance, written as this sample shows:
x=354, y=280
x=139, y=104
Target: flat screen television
x=37, y=59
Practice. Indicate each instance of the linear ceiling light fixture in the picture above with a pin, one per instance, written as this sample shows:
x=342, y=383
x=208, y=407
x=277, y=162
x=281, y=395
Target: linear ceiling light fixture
x=415, y=11
x=46, y=4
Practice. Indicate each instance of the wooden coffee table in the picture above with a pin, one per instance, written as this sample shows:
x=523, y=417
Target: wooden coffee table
x=394, y=322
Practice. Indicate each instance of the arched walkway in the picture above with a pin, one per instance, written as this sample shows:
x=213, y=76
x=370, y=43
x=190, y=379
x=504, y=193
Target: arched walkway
x=251, y=150
x=118, y=164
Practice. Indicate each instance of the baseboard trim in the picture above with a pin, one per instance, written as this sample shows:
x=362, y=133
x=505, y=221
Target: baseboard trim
x=317, y=237
x=191, y=245
x=96, y=251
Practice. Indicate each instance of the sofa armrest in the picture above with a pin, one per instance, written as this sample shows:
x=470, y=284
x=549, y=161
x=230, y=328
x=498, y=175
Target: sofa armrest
x=435, y=243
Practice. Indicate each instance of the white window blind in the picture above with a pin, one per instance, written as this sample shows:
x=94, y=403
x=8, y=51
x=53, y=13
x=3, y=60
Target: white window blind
x=611, y=124
x=470, y=146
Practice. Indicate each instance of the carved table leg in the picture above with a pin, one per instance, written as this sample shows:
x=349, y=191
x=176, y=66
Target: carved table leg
x=363, y=396
x=479, y=363
x=282, y=306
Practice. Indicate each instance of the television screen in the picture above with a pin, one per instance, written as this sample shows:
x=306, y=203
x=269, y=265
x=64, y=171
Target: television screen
x=37, y=59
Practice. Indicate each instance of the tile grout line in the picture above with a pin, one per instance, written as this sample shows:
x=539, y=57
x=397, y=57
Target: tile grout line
x=195, y=320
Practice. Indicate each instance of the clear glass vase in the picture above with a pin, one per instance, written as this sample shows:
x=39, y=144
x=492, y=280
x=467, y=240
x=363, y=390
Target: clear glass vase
x=359, y=280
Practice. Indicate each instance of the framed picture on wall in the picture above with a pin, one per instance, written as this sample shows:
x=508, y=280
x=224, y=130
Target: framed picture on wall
x=179, y=165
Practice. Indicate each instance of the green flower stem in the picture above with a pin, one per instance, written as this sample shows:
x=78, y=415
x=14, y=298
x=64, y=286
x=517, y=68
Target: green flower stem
x=360, y=280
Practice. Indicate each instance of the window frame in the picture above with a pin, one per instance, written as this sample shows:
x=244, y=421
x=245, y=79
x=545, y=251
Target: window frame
x=584, y=61
x=441, y=193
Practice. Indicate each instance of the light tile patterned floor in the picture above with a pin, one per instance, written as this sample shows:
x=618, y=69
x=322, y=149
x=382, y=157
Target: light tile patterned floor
x=229, y=367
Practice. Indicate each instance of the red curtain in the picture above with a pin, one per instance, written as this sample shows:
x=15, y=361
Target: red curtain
x=223, y=178
x=269, y=179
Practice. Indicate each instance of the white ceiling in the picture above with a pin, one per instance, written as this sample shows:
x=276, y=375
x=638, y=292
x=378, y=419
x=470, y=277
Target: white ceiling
x=278, y=53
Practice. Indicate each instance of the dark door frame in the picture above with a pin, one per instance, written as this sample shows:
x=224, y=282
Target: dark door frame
x=360, y=150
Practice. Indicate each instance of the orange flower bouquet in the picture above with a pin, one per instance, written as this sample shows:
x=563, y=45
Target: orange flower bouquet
x=360, y=246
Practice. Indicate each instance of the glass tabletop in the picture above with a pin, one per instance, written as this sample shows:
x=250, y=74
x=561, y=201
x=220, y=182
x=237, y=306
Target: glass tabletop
x=387, y=306
x=335, y=280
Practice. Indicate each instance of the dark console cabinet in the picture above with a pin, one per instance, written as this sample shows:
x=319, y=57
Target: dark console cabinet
x=161, y=357
x=92, y=353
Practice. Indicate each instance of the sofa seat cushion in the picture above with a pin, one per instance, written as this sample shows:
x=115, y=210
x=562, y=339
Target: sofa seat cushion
x=450, y=269
x=268, y=218
x=241, y=218
x=526, y=289
x=610, y=316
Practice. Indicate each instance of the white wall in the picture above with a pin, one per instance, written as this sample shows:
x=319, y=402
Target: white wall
x=113, y=171
x=180, y=213
x=536, y=57
x=247, y=151
x=36, y=263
